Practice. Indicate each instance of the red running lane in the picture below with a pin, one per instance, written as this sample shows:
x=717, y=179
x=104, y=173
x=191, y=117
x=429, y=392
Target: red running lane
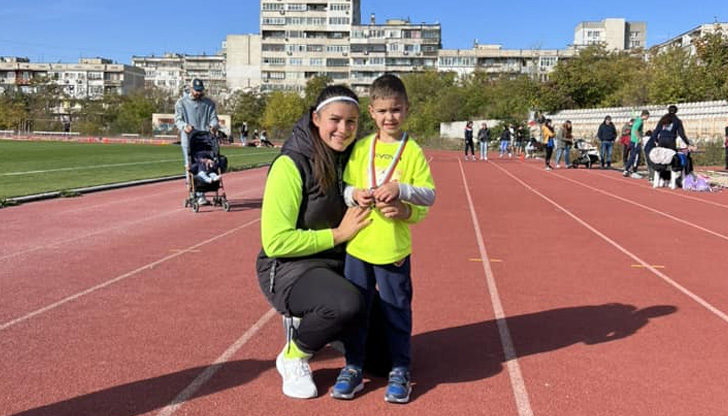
x=591, y=333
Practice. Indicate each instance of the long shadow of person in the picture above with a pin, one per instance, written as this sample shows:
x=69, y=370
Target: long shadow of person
x=144, y=396
x=474, y=352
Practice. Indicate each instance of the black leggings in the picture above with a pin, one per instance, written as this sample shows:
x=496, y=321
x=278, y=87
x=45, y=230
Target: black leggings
x=469, y=144
x=549, y=151
x=328, y=304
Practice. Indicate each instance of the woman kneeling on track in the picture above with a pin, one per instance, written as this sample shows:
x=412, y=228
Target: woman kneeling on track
x=304, y=225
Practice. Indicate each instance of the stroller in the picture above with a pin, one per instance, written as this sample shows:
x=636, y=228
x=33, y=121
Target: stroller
x=204, y=145
x=588, y=154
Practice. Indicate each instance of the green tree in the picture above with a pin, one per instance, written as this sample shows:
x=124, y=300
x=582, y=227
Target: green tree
x=134, y=114
x=282, y=110
x=314, y=86
x=246, y=107
x=712, y=52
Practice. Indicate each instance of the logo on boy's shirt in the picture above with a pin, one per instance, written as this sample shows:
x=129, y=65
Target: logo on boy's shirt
x=386, y=156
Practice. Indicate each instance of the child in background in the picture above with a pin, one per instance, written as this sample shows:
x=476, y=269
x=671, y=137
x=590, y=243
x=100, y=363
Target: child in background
x=205, y=168
x=389, y=172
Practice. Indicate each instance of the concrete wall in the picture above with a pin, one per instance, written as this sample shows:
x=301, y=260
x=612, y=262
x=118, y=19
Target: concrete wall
x=456, y=129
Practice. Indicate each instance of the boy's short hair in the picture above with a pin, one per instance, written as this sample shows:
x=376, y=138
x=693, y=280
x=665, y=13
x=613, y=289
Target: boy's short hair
x=645, y=113
x=387, y=86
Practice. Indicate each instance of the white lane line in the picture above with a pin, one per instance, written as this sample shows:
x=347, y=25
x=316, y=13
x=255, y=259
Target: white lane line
x=101, y=231
x=120, y=278
x=700, y=301
x=664, y=214
x=671, y=192
x=210, y=371
x=115, y=165
x=523, y=403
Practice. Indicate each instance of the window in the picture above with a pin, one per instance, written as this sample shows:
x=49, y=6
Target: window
x=337, y=7
x=266, y=7
x=337, y=62
x=338, y=20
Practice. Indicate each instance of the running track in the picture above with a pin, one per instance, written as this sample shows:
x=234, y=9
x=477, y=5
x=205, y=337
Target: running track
x=572, y=292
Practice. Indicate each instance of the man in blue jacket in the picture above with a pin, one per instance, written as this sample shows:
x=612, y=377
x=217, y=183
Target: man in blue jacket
x=606, y=134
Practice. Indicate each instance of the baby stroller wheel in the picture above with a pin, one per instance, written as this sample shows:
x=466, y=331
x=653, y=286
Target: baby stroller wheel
x=225, y=205
x=589, y=164
x=196, y=206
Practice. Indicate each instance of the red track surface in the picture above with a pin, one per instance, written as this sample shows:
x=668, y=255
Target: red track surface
x=572, y=292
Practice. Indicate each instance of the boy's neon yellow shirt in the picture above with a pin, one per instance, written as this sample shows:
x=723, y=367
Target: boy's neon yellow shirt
x=385, y=240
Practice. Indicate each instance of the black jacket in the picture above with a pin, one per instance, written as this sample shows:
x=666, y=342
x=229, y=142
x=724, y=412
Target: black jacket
x=607, y=132
x=318, y=210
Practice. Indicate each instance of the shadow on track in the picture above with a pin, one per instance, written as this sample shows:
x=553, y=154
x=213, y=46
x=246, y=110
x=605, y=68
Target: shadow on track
x=473, y=352
x=245, y=204
x=151, y=394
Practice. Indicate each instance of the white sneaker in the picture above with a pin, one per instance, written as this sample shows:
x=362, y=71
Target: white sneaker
x=296, y=374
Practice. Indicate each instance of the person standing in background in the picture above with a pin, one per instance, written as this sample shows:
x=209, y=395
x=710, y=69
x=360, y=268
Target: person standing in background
x=606, y=134
x=469, y=140
x=483, y=139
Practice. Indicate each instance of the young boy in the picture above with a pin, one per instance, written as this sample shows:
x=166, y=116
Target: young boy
x=388, y=171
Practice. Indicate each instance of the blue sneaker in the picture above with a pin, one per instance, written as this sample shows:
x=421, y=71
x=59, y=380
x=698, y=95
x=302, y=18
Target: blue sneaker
x=399, y=387
x=349, y=382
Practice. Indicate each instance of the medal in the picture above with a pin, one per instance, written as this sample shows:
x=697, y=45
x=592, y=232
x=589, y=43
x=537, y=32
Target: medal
x=373, y=181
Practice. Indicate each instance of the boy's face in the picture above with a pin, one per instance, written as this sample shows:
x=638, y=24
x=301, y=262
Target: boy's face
x=389, y=114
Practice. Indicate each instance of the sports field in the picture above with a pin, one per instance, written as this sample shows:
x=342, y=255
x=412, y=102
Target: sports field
x=34, y=167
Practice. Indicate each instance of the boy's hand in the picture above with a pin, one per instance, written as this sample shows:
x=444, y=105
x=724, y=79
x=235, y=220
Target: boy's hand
x=363, y=197
x=396, y=210
x=387, y=192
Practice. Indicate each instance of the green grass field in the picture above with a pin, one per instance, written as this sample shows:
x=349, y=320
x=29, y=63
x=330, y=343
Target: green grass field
x=29, y=168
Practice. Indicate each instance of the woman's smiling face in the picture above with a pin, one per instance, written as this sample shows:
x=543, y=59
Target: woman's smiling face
x=337, y=123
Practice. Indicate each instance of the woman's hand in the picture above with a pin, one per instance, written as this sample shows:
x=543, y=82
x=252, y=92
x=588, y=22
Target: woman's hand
x=354, y=220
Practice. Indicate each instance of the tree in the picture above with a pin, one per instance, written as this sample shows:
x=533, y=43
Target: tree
x=282, y=110
x=669, y=72
x=246, y=107
x=314, y=86
x=134, y=114
x=712, y=52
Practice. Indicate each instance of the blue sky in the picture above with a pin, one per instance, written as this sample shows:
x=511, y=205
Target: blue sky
x=64, y=30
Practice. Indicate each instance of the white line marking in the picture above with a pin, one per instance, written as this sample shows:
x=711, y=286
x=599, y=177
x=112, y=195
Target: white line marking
x=720, y=314
x=114, y=165
x=108, y=229
x=210, y=371
x=514, y=370
x=680, y=220
x=679, y=194
x=119, y=278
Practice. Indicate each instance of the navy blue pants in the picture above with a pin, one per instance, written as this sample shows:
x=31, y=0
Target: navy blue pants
x=395, y=290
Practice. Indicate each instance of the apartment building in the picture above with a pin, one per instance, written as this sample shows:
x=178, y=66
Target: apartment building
x=174, y=72
x=397, y=46
x=304, y=38
x=242, y=62
x=90, y=78
x=615, y=33
x=496, y=61
x=686, y=39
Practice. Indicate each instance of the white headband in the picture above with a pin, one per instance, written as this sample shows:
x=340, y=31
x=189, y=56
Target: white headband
x=337, y=98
